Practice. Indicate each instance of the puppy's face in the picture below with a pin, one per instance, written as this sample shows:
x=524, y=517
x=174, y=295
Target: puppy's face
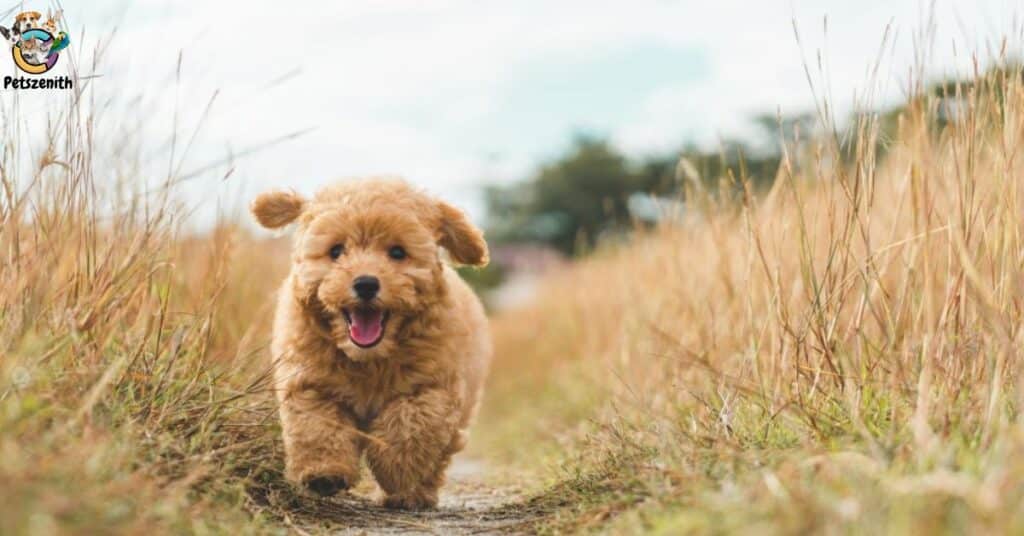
x=26, y=21
x=366, y=262
x=367, y=272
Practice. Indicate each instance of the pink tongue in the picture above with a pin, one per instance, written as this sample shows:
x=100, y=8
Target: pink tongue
x=366, y=327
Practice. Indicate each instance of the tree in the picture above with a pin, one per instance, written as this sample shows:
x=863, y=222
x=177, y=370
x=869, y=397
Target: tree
x=569, y=203
x=583, y=197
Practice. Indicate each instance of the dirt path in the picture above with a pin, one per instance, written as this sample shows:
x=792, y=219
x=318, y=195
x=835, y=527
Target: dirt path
x=469, y=505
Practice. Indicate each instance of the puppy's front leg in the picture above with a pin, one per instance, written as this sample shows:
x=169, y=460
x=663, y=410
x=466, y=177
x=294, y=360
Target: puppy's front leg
x=321, y=442
x=415, y=439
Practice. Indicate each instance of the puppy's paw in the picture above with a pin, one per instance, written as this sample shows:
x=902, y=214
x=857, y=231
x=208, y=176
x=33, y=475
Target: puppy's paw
x=324, y=479
x=325, y=485
x=420, y=500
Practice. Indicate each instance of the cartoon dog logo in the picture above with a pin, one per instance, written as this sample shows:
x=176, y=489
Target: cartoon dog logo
x=35, y=47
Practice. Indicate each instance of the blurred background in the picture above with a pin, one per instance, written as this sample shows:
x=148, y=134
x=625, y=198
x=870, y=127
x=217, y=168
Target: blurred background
x=457, y=95
x=552, y=124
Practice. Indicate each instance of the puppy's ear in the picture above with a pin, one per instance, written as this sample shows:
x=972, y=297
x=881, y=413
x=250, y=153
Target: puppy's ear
x=462, y=239
x=277, y=209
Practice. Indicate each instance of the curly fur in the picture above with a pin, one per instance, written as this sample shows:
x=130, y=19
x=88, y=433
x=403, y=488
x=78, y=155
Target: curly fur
x=406, y=402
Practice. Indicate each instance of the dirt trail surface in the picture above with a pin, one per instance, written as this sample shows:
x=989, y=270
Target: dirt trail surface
x=468, y=505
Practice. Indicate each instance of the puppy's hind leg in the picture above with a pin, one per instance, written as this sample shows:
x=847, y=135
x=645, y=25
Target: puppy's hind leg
x=415, y=440
x=321, y=442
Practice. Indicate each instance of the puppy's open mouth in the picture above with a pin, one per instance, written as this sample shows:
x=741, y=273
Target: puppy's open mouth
x=365, y=325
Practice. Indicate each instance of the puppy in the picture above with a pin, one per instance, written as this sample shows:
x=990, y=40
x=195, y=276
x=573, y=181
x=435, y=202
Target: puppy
x=380, y=349
x=25, y=21
x=22, y=23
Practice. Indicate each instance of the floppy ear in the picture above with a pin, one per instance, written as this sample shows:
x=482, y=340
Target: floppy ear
x=462, y=239
x=277, y=209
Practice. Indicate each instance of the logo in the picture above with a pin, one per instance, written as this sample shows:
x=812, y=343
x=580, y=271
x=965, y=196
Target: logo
x=35, y=49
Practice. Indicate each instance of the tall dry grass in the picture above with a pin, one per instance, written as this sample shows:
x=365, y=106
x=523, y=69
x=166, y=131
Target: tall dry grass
x=839, y=353
x=132, y=392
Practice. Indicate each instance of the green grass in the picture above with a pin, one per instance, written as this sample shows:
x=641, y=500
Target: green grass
x=839, y=354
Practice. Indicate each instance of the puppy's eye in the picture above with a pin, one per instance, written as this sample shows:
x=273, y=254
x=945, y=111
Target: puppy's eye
x=336, y=251
x=397, y=253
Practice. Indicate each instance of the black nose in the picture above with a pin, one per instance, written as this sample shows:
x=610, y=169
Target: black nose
x=366, y=286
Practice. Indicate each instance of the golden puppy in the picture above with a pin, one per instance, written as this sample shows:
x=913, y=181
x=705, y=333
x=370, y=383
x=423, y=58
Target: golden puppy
x=379, y=347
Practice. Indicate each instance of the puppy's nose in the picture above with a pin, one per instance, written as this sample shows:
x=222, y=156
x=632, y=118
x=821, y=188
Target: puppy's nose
x=366, y=286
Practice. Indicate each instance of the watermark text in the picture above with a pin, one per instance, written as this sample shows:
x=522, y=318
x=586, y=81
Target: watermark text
x=21, y=82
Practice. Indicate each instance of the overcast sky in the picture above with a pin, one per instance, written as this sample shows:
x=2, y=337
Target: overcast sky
x=451, y=92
